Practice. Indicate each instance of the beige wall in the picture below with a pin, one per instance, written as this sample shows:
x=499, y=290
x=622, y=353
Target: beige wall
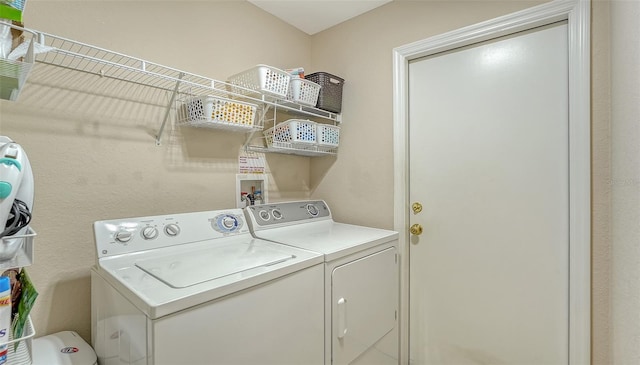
x=625, y=181
x=91, y=167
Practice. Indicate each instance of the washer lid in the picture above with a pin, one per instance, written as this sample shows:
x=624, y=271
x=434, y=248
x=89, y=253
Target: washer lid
x=191, y=274
x=190, y=268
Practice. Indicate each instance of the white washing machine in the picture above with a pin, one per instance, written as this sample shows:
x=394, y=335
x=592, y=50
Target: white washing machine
x=361, y=277
x=197, y=288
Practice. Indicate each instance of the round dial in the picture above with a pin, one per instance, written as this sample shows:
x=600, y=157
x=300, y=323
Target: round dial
x=123, y=236
x=172, y=229
x=276, y=214
x=149, y=233
x=229, y=222
x=312, y=210
x=264, y=215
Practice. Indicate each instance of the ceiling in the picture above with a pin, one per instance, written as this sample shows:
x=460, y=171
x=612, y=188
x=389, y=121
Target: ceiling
x=313, y=16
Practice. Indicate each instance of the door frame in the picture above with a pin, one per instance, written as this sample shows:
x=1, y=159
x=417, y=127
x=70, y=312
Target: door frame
x=577, y=15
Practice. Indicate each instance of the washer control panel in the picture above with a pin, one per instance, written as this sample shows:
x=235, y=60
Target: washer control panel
x=287, y=213
x=120, y=236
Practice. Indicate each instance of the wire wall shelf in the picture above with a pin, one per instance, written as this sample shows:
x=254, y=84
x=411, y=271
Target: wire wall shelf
x=101, y=72
x=287, y=148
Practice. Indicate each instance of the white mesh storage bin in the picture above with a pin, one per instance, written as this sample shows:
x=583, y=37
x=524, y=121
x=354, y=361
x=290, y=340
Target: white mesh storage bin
x=264, y=79
x=295, y=133
x=209, y=111
x=303, y=91
x=328, y=135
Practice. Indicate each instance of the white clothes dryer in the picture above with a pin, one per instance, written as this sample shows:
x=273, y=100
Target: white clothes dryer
x=361, y=277
x=197, y=288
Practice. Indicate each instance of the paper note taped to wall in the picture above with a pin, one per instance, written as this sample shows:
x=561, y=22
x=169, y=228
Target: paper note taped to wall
x=251, y=163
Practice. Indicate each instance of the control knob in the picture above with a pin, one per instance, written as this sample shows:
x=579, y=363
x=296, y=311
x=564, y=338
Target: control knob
x=149, y=233
x=172, y=229
x=264, y=215
x=229, y=222
x=123, y=236
x=312, y=209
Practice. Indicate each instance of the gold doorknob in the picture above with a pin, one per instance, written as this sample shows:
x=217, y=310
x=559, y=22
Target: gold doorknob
x=417, y=207
x=416, y=229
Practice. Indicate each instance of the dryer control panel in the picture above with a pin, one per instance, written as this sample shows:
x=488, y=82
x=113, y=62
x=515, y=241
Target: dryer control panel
x=282, y=214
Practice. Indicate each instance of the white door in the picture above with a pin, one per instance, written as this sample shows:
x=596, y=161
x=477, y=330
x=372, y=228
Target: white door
x=489, y=162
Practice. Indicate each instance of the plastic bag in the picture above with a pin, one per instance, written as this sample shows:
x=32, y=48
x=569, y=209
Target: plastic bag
x=27, y=299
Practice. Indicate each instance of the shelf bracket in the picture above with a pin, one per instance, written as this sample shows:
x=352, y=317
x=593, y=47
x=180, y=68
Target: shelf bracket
x=248, y=140
x=260, y=120
x=168, y=111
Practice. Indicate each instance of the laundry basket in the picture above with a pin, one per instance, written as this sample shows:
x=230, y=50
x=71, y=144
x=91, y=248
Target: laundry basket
x=303, y=91
x=293, y=133
x=328, y=137
x=209, y=111
x=262, y=78
x=330, y=98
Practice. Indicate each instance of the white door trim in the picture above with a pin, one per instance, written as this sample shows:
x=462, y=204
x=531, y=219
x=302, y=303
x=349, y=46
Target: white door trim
x=577, y=13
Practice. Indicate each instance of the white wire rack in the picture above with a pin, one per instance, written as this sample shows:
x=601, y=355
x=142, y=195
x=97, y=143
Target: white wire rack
x=98, y=72
x=21, y=254
x=20, y=350
x=14, y=72
x=290, y=149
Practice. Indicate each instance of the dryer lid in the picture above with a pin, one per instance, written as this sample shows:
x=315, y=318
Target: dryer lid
x=331, y=238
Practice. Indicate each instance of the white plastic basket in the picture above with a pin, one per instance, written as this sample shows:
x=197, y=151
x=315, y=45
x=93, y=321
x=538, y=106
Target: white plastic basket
x=328, y=135
x=209, y=111
x=303, y=91
x=294, y=133
x=264, y=79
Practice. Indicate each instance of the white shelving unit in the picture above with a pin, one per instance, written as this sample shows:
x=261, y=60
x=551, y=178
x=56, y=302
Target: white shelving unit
x=152, y=78
x=20, y=349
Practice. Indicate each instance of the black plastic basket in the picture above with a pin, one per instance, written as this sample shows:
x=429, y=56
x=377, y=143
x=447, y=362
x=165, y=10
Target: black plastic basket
x=330, y=98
